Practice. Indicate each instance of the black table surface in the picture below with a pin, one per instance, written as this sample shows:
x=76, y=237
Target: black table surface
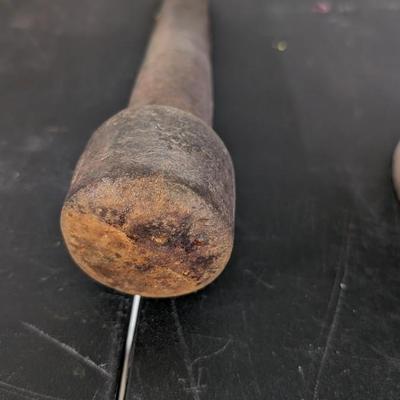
x=307, y=100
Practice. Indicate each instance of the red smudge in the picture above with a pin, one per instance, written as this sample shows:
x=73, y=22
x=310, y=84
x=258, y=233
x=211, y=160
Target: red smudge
x=321, y=7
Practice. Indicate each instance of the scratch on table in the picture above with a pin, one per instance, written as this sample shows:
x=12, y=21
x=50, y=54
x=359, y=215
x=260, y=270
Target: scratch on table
x=29, y=394
x=242, y=387
x=337, y=293
x=301, y=372
x=259, y=280
x=253, y=372
x=249, y=355
x=67, y=348
x=213, y=354
x=392, y=361
x=201, y=335
x=193, y=387
x=244, y=318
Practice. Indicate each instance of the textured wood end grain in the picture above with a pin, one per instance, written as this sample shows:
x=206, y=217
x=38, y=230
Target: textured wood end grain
x=146, y=236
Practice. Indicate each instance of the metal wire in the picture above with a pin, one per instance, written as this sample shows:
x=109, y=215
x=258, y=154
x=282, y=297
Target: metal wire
x=129, y=347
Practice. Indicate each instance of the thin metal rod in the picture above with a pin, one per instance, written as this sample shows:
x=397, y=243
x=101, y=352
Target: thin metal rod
x=129, y=347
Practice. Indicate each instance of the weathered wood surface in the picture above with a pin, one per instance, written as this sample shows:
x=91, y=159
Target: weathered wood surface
x=309, y=306
x=150, y=210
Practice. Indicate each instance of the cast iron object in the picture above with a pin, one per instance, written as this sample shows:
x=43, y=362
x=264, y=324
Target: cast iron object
x=150, y=209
